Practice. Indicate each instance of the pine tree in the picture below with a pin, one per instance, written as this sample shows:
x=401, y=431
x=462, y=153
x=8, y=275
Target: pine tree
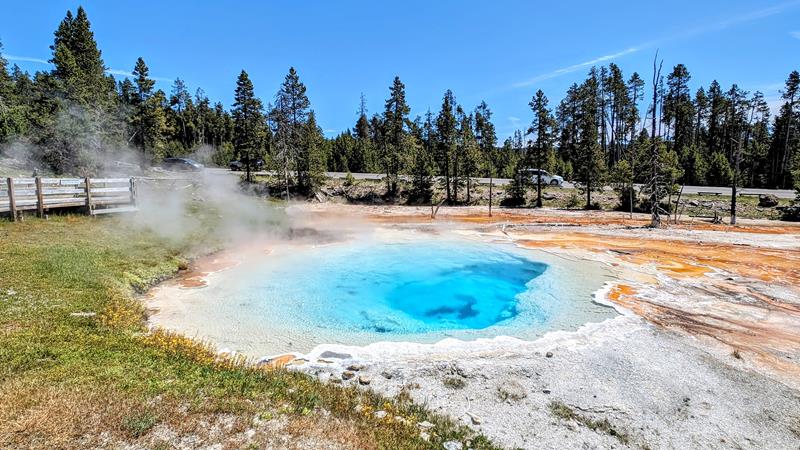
x=289, y=116
x=79, y=64
x=567, y=117
x=422, y=162
x=311, y=159
x=181, y=102
x=144, y=85
x=756, y=142
x=364, y=151
x=446, y=138
x=636, y=93
x=248, y=124
x=735, y=130
x=487, y=139
x=73, y=119
x=148, y=122
x=786, y=138
x=589, y=160
x=543, y=136
x=12, y=115
x=678, y=108
x=395, y=118
x=719, y=170
x=470, y=152
x=618, y=103
x=343, y=154
x=518, y=187
x=6, y=84
x=716, y=124
x=701, y=114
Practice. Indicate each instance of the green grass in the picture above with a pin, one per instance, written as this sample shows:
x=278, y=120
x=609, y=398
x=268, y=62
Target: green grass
x=67, y=378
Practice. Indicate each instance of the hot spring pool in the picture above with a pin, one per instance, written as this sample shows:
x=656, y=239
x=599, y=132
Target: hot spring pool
x=418, y=289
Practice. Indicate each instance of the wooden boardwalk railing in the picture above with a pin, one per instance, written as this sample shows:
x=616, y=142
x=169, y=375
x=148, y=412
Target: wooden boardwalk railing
x=95, y=195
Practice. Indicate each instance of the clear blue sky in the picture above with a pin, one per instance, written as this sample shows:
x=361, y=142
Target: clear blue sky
x=500, y=51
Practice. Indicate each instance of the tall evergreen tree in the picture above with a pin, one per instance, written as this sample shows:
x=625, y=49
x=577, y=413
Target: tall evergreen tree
x=786, y=138
x=636, y=93
x=248, y=124
x=148, y=122
x=756, y=142
x=487, y=139
x=542, y=129
x=311, y=158
x=716, y=123
x=567, y=115
x=395, y=119
x=589, y=160
x=73, y=118
x=471, y=155
x=446, y=138
x=421, y=149
x=618, y=105
x=12, y=116
x=78, y=62
x=181, y=106
x=700, y=115
x=364, y=150
x=289, y=116
x=678, y=108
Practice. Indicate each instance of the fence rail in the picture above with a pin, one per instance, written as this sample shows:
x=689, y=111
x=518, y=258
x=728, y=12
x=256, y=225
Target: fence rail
x=95, y=195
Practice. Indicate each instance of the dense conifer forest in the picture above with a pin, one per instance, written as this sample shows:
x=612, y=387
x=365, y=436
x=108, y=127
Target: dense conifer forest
x=607, y=129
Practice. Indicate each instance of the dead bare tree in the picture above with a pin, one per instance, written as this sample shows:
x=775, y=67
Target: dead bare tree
x=655, y=184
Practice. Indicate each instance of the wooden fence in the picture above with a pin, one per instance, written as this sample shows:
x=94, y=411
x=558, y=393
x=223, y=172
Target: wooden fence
x=94, y=195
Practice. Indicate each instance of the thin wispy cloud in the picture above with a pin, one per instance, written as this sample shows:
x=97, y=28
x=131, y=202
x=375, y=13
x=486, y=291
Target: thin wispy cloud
x=715, y=26
x=25, y=59
x=574, y=67
x=124, y=73
x=795, y=34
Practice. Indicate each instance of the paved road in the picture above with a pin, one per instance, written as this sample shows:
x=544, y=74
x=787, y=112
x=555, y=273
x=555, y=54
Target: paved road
x=723, y=191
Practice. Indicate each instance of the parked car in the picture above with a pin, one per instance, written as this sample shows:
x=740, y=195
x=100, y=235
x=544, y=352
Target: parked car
x=181, y=165
x=237, y=166
x=547, y=178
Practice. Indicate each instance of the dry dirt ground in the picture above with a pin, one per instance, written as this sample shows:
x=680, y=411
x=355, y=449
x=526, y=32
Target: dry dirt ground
x=704, y=354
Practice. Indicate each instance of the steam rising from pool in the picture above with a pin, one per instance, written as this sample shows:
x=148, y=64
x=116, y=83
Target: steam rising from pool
x=418, y=289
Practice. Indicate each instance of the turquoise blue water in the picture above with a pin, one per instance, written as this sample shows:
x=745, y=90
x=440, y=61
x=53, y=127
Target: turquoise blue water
x=417, y=289
x=403, y=287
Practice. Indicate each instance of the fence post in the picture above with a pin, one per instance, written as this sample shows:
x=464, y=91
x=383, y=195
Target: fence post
x=133, y=191
x=39, y=198
x=12, y=203
x=88, y=183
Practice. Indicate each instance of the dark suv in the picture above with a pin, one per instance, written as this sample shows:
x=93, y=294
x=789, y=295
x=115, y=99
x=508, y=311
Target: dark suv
x=181, y=165
x=241, y=165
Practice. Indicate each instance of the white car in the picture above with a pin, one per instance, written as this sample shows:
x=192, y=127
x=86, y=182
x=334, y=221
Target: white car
x=547, y=178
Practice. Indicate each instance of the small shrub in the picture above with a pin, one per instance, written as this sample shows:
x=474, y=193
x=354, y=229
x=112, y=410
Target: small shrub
x=574, y=201
x=562, y=411
x=349, y=179
x=454, y=382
